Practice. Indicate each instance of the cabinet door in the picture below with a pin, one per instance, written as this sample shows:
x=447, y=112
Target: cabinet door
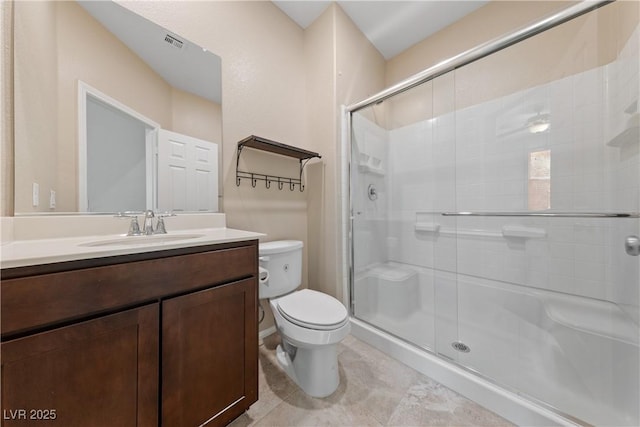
x=209, y=355
x=102, y=372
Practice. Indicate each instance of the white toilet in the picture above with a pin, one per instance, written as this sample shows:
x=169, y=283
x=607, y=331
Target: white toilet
x=310, y=323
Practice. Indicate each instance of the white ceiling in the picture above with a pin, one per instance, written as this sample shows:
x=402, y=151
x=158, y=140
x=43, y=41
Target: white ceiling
x=391, y=26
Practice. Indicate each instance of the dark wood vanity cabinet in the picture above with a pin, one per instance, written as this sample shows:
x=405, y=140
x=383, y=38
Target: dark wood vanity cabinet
x=164, y=338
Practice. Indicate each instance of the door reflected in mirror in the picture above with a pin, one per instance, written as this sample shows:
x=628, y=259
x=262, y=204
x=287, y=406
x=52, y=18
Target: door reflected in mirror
x=95, y=86
x=118, y=171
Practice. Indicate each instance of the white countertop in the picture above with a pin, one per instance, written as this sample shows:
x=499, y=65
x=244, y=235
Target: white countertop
x=22, y=253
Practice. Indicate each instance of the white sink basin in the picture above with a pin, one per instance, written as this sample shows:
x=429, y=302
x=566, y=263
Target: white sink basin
x=154, y=239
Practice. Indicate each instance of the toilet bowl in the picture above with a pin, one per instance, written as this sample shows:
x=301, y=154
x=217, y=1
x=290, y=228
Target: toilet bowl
x=310, y=323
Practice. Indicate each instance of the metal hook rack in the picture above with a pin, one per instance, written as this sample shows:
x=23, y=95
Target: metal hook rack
x=268, y=180
x=264, y=144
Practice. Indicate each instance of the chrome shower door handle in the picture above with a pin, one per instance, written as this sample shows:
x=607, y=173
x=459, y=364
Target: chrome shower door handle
x=632, y=245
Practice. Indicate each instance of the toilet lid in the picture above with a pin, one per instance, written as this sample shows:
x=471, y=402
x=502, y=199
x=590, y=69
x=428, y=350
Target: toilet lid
x=312, y=309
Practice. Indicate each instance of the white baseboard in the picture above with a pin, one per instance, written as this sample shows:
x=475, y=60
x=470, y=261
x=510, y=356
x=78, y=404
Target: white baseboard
x=265, y=333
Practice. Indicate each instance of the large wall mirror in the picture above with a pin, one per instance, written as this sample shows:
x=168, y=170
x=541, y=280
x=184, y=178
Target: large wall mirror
x=112, y=113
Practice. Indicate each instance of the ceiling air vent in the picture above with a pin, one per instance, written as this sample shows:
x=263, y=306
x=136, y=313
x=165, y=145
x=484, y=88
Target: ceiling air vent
x=173, y=41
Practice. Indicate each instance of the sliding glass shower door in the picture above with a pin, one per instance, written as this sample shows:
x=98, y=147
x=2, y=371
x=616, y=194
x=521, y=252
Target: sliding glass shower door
x=494, y=214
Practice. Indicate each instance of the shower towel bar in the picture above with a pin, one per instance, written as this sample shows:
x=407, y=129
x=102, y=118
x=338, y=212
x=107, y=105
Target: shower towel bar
x=549, y=214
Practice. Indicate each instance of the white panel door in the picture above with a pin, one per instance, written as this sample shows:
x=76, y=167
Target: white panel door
x=187, y=173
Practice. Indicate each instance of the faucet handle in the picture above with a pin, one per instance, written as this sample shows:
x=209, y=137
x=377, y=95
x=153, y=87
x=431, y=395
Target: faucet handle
x=160, y=228
x=134, y=226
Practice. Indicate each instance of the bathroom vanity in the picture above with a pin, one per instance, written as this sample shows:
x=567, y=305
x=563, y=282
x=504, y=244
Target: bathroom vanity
x=141, y=338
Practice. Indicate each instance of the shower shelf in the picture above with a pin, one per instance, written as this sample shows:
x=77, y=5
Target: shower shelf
x=371, y=169
x=263, y=144
x=629, y=136
x=507, y=231
x=631, y=132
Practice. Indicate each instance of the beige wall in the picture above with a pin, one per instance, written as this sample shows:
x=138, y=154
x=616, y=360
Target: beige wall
x=195, y=116
x=342, y=67
x=6, y=109
x=38, y=96
x=321, y=112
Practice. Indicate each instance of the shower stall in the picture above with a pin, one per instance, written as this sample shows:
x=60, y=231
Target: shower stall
x=493, y=217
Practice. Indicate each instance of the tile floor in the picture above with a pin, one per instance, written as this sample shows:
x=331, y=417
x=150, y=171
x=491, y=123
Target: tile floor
x=375, y=390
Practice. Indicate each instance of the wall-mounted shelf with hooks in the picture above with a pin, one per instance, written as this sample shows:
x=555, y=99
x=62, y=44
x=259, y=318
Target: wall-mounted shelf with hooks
x=258, y=143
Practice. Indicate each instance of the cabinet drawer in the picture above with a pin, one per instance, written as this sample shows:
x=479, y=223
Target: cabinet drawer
x=48, y=299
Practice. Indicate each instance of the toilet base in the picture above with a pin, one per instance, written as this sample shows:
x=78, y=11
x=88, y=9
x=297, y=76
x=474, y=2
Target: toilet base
x=314, y=370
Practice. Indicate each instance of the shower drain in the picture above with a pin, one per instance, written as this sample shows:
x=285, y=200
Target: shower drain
x=460, y=346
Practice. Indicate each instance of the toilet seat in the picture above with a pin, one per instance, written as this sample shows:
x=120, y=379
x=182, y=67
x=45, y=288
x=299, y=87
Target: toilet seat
x=313, y=310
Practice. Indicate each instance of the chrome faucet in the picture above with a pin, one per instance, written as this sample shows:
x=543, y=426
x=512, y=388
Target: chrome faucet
x=147, y=228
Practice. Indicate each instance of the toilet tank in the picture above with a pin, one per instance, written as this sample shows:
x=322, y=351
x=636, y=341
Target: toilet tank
x=283, y=260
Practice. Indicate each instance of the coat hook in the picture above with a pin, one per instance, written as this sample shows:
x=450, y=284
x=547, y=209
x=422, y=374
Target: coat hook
x=254, y=181
x=280, y=184
x=292, y=185
x=301, y=188
x=267, y=183
x=238, y=181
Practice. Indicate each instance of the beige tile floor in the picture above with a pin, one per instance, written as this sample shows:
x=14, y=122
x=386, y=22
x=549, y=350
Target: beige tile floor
x=375, y=390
